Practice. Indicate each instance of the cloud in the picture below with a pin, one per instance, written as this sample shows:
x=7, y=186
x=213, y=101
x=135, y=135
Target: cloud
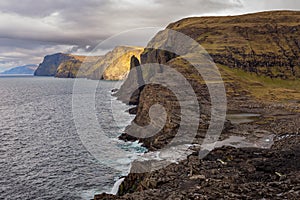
x=30, y=29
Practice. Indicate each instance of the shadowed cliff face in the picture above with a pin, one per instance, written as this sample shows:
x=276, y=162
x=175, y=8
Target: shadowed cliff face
x=50, y=64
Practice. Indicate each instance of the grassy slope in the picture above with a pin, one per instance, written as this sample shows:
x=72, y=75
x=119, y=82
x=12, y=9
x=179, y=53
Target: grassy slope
x=262, y=87
x=267, y=43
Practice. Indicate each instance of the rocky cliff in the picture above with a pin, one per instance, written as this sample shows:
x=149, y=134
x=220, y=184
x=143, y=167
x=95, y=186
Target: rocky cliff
x=115, y=64
x=50, y=64
x=263, y=44
x=76, y=66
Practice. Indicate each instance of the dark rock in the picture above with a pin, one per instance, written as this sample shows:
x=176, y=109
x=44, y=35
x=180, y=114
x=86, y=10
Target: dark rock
x=114, y=90
x=50, y=64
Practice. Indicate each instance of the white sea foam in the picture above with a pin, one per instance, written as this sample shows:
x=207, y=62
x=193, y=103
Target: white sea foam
x=116, y=186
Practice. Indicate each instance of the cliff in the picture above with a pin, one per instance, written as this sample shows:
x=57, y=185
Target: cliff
x=76, y=66
x=115, y=64
x=50, y=64
x=258, y=57
x=266, y=43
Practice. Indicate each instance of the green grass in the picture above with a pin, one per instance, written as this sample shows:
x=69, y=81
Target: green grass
x=263, y=87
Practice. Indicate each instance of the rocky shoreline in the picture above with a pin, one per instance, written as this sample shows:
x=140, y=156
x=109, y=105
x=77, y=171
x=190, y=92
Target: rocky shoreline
x=232, y=172
x=258, y=159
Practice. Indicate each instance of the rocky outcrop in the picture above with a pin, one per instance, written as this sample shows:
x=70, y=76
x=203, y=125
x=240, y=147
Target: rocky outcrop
x=226, y=173
x=50, y=64
x=227, y=45
x=132, y=87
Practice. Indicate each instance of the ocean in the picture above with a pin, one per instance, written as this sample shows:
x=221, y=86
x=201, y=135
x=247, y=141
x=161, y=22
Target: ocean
x=41, y=153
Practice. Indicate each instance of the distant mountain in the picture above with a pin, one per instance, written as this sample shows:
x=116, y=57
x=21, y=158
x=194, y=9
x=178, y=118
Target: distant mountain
x=26, y=69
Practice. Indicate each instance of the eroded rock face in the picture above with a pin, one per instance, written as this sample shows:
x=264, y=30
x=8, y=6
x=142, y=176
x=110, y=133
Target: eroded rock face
x=130, y=91
x=73, y=67
x=120, y=67
x=50, y=64
x=115, y=65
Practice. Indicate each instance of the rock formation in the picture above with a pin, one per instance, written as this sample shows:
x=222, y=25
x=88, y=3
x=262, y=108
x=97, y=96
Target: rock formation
x=248, y=42
x=50, y=64
x=264, y=44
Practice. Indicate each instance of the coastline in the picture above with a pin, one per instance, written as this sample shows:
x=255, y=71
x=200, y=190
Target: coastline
x=261, y=166
x=255, y=165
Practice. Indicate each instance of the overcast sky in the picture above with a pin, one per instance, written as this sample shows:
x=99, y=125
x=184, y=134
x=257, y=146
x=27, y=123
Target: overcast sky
x=31, y=29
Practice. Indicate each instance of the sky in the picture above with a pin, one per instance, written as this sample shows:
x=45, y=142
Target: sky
x=31, y=29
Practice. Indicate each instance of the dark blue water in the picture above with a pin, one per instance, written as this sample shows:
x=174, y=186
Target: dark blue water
x=41, y=154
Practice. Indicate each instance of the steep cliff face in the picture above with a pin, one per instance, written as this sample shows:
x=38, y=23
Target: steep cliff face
x=266, y=43
x=76, y=66
x=120, y=67
x=50, y=64
x=115, y=64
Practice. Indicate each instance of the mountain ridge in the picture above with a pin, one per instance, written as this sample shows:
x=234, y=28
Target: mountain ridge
x=24, y=69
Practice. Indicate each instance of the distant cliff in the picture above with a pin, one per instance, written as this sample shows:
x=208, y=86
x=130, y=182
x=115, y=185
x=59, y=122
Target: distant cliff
x=112, y=66
x=50, y=64
x=26, y=69
x=116, y=63
x=76, y=66
x=119, y=68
